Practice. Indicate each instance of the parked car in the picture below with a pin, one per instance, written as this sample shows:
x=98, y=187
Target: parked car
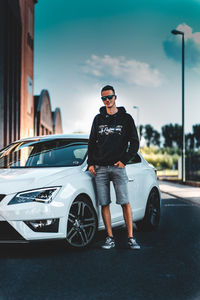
x=47, y=192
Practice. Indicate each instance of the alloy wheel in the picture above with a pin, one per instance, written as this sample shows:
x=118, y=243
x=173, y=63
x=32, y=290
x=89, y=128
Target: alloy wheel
x=152, y=213
x=82, y=223
x=154, y=209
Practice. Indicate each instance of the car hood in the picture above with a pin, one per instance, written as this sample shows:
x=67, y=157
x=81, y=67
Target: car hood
x=16, y=180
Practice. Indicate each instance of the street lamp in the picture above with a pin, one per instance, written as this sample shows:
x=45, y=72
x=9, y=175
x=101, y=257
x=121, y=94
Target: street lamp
x=183, y=105
x=138, y=128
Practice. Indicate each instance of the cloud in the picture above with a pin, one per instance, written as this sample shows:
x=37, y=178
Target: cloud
x=130, y=71
x=172, y=46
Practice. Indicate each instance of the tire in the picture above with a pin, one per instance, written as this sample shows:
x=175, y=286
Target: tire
x=81, y=224
x=152, y=213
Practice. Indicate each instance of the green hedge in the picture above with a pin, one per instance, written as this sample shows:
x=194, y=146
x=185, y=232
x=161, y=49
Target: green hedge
x=160, y=158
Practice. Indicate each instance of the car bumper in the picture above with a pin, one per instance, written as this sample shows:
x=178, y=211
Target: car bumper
x=16, y=221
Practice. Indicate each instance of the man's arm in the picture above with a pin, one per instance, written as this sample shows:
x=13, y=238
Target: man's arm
x=133, y=140
x=92, y=143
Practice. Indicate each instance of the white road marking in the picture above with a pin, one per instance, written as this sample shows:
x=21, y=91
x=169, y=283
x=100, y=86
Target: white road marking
x=180, y=204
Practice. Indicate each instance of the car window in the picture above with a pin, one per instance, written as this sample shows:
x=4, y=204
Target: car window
x=135, y=159
x=80, y=152
x=44, y=153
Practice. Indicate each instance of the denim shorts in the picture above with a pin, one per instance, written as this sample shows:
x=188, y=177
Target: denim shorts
x=106, y=174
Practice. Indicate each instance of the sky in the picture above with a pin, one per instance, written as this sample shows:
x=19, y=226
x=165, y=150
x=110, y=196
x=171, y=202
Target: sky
x=81, y=46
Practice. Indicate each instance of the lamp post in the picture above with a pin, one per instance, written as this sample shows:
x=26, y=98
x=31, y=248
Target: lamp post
x=138, y=126
x=176, y=32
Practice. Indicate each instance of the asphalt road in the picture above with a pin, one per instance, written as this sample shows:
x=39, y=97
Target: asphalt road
x=167, y=266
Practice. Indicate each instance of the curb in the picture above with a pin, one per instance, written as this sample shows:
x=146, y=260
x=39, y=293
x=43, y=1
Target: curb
x=188, y=182
x=181, y=198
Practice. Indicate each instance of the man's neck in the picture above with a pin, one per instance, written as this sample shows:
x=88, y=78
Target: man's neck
x=111, y=110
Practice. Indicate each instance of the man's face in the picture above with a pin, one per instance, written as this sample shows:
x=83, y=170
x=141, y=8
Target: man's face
x=108, y=103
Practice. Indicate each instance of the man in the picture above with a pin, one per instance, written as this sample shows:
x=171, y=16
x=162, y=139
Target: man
x=111, y=133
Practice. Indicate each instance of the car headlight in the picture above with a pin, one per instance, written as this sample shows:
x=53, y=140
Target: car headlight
x=44, y=195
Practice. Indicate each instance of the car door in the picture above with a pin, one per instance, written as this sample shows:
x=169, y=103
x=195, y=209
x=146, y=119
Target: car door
x=134, y=173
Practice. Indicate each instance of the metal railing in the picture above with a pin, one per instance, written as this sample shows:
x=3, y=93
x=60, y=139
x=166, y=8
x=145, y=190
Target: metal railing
x=193, y=167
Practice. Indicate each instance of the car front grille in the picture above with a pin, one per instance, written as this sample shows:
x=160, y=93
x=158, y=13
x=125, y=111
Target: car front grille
x=8, y=233
x=2, y=196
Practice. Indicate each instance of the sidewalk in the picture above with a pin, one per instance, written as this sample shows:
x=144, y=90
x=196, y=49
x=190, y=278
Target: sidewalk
x=180, y=191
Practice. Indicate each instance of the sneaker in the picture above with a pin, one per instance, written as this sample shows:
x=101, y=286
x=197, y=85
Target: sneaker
x=133, y=244
x=109, y=243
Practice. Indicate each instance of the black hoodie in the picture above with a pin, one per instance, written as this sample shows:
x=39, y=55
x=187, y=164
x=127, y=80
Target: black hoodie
x=110, y=136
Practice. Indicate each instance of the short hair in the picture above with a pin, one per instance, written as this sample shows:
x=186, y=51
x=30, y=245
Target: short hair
x=107, y=88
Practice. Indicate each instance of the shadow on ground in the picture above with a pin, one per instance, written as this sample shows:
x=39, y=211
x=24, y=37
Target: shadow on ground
x=55, y=248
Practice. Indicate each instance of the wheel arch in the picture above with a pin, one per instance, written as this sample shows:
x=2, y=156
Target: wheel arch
x=156, y=189
x=87, y=197
x=145, y=223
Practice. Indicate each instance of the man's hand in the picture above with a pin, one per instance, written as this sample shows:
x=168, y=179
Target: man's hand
x=119, y=164
x=92, y=170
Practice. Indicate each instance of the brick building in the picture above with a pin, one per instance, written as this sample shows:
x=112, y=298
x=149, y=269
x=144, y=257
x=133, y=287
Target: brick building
x=57, y=122
x=46, y=121
x=27, y=51
x=17, y=115
x=10, y=71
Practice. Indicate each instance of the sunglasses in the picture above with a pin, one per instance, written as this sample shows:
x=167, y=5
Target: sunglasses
x=109, y=97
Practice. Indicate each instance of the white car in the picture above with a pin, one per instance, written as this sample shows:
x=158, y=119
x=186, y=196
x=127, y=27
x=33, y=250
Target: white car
x=48, y=193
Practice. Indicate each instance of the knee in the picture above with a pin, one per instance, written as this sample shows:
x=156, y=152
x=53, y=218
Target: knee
x=105, y=207
x=125, y=206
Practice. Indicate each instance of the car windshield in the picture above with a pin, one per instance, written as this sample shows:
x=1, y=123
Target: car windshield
x=44, y=153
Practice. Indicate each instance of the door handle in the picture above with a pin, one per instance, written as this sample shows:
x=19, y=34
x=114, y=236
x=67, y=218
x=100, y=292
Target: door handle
x=131, y=179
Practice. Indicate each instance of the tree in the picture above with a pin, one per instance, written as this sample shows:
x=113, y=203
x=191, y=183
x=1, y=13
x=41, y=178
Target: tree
x=172, y=135
x=189, y=141
x=196, y=132
x=141, y=127
x=156, y=138
x=177, y=135
x=167, y=132
x=148, y=134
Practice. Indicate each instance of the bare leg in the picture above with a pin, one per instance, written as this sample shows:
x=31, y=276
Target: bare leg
x=128, y=218
x=105, y=210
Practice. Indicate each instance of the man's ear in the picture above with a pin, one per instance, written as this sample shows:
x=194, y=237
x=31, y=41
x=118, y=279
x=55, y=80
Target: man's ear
x=115, y=97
